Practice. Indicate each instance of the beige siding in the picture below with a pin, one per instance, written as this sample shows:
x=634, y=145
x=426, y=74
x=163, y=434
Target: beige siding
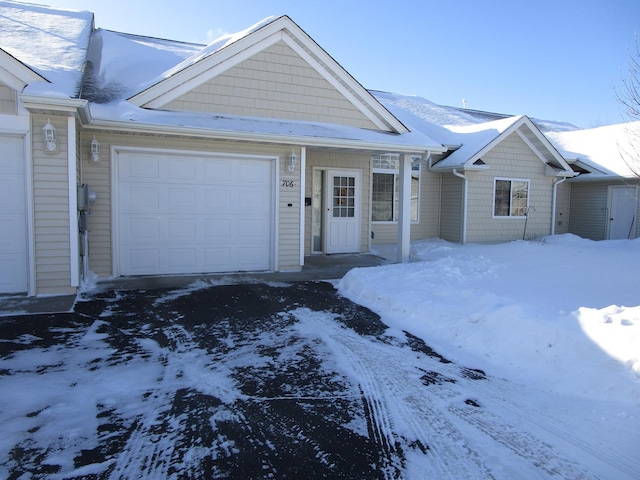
x=512, y=158
x=99, y=178
x=340, y=160
x=51, y=211
x=451, y=208
x=275, y=83
x=429, y=213
x=7, y=100
x=563, y=204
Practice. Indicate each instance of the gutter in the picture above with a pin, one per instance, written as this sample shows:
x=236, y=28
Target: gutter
x=464, y=203
x=76, y=106
x=271, y=138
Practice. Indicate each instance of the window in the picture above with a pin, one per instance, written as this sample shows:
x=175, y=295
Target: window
x=385, y=189
x=511, y=197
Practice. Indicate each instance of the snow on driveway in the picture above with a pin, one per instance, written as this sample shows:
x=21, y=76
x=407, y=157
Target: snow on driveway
x=260, y=380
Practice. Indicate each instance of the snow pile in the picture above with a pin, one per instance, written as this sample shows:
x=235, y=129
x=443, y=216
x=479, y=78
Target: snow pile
x=562, y=313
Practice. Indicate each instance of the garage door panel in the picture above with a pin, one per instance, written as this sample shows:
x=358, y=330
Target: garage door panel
x=139, y=198
x=143, y=168
x=181, y=229
x=182, y=260
x=181, y=199
x=180, y=169
x=13, y=211
x=200, y=215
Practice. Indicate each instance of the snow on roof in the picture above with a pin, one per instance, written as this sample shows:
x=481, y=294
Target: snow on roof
x=450, y=126
x=50, y=41
x=267, y=128
x=120, y=65
x=614, y=150
x=215, y=46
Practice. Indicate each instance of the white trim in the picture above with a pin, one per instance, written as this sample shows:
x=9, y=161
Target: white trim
x=14, y=124
x=116, y=150
x=493, y=203
x=404, y=208
x=333, y=81
x=303, y=208
x=465, y=201
x=174, y=86
x=270, y=138
x=31, y=254
x=74, y=249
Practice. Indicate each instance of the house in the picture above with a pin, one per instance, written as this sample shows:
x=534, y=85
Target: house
x=498, y=180
x=126, y=155
x=605, y=202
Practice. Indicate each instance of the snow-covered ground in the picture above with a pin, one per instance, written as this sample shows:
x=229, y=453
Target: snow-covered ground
x=519, y=360
x=560, y=317
x=562, y=313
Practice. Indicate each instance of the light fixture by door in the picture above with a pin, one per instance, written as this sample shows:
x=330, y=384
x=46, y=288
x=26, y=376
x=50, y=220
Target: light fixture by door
x=293, y=161
x=49, y=137
x=94, y=151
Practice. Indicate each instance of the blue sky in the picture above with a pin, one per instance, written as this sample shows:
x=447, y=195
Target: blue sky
x=549, y=59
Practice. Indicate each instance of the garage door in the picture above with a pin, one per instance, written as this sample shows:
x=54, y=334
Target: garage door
x=181, y=214
x=13, y=216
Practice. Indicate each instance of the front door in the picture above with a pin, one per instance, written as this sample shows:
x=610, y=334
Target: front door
x=622, y=221
x=342, y=208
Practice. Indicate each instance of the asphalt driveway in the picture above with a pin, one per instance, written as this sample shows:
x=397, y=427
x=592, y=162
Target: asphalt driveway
x=249, y=381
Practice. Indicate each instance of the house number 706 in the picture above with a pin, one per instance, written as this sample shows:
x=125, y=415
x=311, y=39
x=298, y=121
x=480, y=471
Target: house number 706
x=288, y=183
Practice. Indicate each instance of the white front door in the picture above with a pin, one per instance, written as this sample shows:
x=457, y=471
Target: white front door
x=184, y=213
x=13, y=216
x=622, y=220
x=342, y=193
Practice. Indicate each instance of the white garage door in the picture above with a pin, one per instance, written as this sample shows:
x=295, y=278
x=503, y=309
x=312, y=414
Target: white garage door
x=194, y=214
x=13, y=216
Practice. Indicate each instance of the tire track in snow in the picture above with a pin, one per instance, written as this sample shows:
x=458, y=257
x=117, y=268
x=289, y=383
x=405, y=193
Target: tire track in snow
x=402, y=420
x=539, y=418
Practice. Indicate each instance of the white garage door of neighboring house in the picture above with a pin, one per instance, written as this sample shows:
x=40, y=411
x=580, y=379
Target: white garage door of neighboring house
x=180, y=214
x=13, y=216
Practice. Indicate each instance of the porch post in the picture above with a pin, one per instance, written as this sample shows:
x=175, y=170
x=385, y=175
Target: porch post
x=404, y=209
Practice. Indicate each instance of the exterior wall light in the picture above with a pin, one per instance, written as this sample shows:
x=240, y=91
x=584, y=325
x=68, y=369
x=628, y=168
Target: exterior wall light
x=94, y=151
x=49, y=137
x=293, y=161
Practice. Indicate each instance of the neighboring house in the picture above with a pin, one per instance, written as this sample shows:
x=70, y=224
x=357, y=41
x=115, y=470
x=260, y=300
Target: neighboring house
x=497, y=182
x=127, y=155
x=605, y=203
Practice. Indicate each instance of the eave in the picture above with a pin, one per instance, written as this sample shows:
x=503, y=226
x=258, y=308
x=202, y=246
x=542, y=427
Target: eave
x=259, y=137
x=46, y=105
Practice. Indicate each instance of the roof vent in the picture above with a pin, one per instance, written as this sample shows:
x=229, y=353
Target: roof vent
x=479, y=162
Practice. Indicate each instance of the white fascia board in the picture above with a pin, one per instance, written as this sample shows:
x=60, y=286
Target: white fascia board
x=257, y=137
x=195, y=75
x=15, y=73
x=372, y=103
x=335, y=83
x=75, y=106
x=548, y=145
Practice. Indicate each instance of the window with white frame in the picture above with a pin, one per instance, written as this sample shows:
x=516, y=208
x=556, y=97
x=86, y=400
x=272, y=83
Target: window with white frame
x=385, y=188
x=510, y=197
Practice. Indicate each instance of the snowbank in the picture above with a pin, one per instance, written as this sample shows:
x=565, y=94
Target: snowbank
x=563, y=313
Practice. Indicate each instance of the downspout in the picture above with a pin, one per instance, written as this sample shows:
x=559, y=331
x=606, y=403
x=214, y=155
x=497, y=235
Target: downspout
x=464, y=204
x=553, y=204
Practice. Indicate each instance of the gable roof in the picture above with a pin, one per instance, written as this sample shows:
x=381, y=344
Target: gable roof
x=229, y=51
x=16, y=74
x=612, y=151
x=469, y=135
x=51, y=42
